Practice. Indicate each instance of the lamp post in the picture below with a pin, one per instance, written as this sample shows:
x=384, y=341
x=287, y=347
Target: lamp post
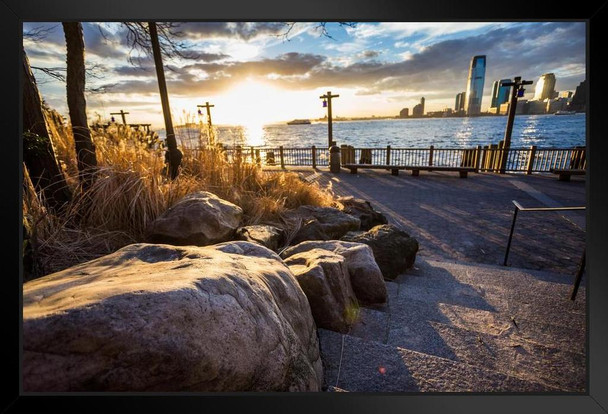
x=327, y=102
x=517, y=91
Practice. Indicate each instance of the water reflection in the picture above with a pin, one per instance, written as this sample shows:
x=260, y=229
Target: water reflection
x=253, y=134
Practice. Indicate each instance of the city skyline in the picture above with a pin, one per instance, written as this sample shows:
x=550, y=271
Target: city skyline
x=252, y=74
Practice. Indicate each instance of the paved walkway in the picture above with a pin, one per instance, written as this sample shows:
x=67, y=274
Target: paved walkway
x=469, y=219
x=450, y=327
x=459, y=321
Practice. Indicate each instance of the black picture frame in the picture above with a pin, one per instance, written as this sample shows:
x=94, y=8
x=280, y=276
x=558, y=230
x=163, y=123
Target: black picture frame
x=594, y=13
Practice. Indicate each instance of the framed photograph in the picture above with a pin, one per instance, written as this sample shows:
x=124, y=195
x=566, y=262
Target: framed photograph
x=362, y=207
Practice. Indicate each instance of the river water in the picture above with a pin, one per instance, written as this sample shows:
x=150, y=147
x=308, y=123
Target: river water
x=547, y=131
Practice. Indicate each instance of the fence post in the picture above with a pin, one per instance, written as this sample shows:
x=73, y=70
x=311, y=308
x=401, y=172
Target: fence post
x=258, y=158
x=252, y=155
x=531, y=159
x=281, y=156
x=431, y=155
x=388, y=155
x=477, y=163
x=499, y=159
x=314, y=156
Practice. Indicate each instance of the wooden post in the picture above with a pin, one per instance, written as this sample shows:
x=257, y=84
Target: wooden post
x=492, y=152
x=122, y=114
x=258, y=158
x=532, y=155
x=388, y=155
x=477, y=157
x=281, y=155
x=209, y=124
x=431, y=155
x=314, y=156
x=252, y=155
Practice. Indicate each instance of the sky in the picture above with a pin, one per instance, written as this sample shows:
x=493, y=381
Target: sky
x=261, y=72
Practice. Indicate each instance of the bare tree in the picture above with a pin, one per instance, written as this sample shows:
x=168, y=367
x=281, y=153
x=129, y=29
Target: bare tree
x=38, y=153
x=77, y=105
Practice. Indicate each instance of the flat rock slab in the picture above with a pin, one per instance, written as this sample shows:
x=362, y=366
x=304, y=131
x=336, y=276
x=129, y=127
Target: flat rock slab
x=368, y=366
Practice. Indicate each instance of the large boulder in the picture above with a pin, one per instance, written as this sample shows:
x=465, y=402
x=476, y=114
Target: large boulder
x=363, y=210
x=324, y=278
x=321, y=223
x=266, y=235
x=394, y=249
x=229, y=317
x=199, y=219
x=365, y=275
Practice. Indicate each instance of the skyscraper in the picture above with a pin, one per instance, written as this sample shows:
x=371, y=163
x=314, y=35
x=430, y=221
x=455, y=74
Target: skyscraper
x=545, y=87
x=500, y=93
x=477, y=74
x=459, y=104
x=418, y=109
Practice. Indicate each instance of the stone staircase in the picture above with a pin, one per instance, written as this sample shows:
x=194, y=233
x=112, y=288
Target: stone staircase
x=453, y=327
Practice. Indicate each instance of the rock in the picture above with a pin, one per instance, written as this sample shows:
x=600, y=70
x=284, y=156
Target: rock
x=365, y=275
x=268, y=236
x=198, y=219
x=321, y=223
x=394, y=249
x=229, y=317
x=324, y=278
x=363, y=210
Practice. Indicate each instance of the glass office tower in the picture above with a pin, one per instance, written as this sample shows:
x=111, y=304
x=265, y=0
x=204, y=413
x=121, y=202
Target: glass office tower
x=500, y=93
x=477, y=74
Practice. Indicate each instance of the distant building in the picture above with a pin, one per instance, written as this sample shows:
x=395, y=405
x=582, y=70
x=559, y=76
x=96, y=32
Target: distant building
x=459, y=104
x=404, y=113
x=418, y=110
x=579, y=100
x=522, y=107
x=475, y=81
x=500, y=93
x=536, y=107
x=545, y=87
x=565, y=94
x=556, y=104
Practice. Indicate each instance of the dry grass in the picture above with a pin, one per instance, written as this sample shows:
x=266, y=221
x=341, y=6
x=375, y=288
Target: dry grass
x=130, y=191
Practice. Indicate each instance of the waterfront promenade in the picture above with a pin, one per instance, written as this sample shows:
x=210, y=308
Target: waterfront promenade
x=468, y=220
x=459, y=321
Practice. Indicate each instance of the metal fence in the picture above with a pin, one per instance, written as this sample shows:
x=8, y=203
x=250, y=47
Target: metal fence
x=487, y=158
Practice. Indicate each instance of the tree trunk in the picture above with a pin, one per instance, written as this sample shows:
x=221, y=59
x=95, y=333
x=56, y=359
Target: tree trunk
x=173, y=156
x=77, y=105
x=38, y=153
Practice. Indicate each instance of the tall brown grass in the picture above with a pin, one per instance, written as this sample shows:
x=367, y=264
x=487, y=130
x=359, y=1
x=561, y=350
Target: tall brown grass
x=130, y=191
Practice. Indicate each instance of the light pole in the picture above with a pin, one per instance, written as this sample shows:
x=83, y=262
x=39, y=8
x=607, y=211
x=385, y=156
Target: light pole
x=517, y=91
x=327, y=102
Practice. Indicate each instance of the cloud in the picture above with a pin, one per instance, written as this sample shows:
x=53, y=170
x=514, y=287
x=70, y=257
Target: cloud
x=232, y=30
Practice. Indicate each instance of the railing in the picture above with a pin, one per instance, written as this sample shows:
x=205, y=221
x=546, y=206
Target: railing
x=518, y=208
x=486, y=159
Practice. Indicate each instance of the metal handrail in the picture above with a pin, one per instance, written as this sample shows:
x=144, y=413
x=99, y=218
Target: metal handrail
x=519, y=207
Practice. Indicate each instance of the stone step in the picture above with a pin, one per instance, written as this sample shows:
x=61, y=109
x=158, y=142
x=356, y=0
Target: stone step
x=356, y=365
x=509, y=354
